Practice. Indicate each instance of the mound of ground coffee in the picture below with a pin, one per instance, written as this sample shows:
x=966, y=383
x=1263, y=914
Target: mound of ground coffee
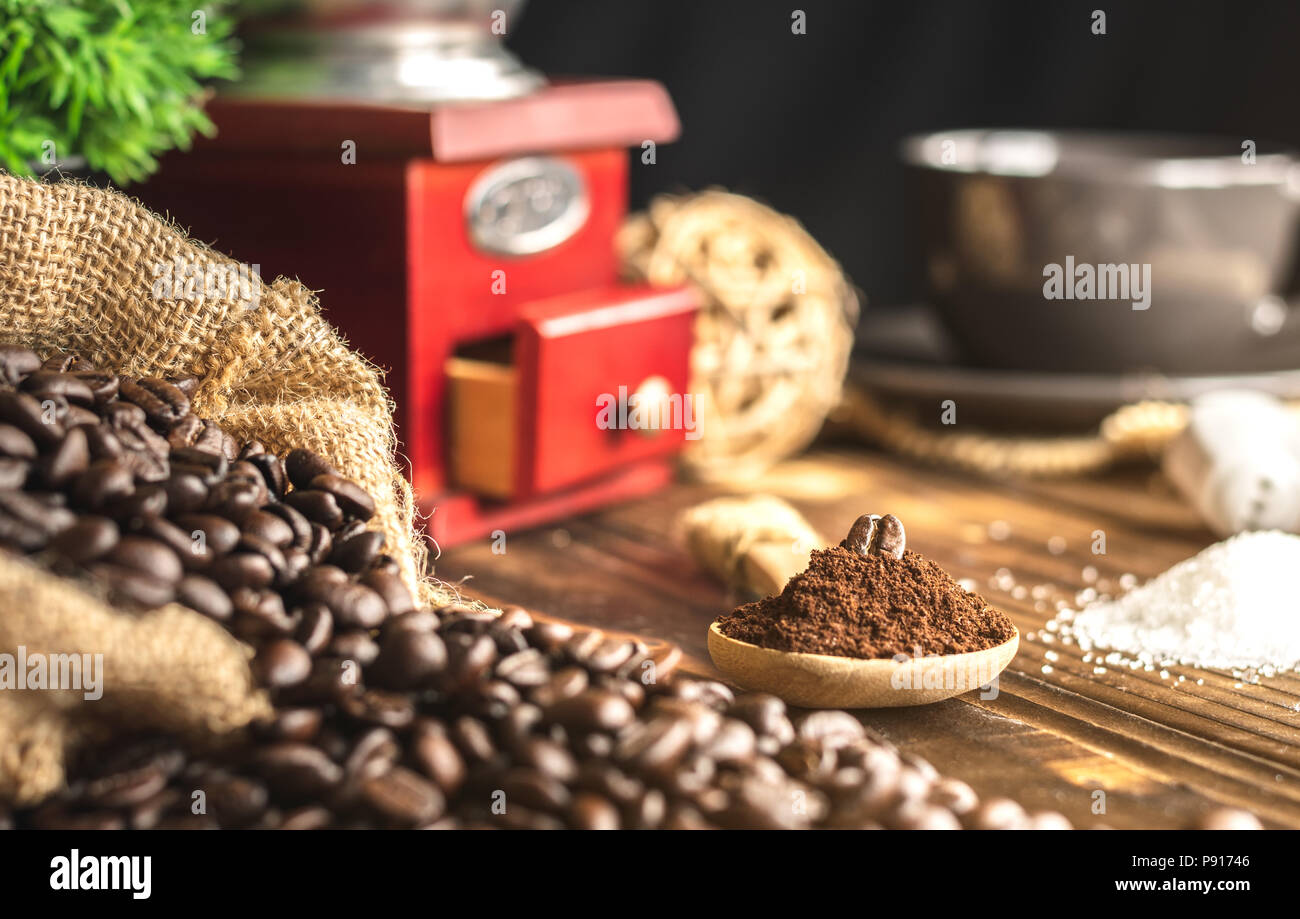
x=859, y=605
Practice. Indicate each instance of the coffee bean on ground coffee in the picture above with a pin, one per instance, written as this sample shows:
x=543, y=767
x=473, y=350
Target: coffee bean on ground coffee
x=871, y=605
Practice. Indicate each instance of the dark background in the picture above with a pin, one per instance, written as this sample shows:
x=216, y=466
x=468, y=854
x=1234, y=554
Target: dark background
x=811, y=123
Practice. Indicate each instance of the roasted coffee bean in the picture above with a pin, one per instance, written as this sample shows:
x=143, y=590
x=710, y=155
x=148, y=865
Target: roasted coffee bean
x=104, y=481
x=409, y=658
x=185, y=493
x=17, y=362
x=355, y=645
x=187, y=383
x=592, y=710
x=205, y=596
x=590, y=811
x=391, y=589
x=103, y=386
x=69, y=459
x=147, y=556
x=374, y=753
x=300, y=724
x=315, y=627
x=300, y=525
x=47, y=384
x=210, y=466
x=472, y=739
x=260, y=615
x=282, y=663
x=133, y=587
x=436, y=756
x=13, y=473
x=317, y=506
x=16, y=444
x=194, y=554
x=87, y=539
x=272, y=470
x=145, y=501
x=303, y=465
x=217, y=535
x=245, y=570
x=525, y=668
x=403, y=797
x=654, y=744
x=236, y=801
x=353, y=605
x=297, y=771
x=270, y=528
x=186, y=432
x=357, y=553
x=164, y=403
x=255, y=545
x=25, y=412
x=350, y=497
x=831, y=728
x=608, y=655
x=374, y=706
x=234, y=499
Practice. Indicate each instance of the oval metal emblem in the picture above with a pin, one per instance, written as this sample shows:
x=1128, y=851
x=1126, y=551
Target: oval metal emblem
x=526, y=206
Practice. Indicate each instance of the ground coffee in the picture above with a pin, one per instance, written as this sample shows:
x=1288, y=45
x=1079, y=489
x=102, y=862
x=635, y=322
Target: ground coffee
x=870, y=606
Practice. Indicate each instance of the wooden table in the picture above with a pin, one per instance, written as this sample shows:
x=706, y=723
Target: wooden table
x=1150, y=750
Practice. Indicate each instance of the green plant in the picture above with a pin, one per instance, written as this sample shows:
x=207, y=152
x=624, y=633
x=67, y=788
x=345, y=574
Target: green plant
x=114, y=81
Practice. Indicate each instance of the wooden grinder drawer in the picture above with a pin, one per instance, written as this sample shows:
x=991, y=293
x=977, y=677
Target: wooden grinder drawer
x=556, y=413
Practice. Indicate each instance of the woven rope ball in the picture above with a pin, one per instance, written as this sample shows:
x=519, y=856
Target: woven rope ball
x=774, y=331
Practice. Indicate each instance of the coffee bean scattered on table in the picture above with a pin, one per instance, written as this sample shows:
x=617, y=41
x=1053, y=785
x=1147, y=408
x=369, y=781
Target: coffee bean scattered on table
x=387, y=715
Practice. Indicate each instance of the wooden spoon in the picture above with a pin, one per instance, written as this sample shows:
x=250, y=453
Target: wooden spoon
x=828, y=681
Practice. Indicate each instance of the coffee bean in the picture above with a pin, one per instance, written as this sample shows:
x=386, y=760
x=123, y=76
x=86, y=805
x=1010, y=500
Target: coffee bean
x=307, y=818
x=69, y=459
x=296, y=771
x=16, y=444
x=87, y=539
x=317, y=506
x=525, y=668
x=472, y=739
x=272, y=471
x=17, y=362
x=204, y=596
x=315, y=627
x=374, y=706
x=245, y=570
x=270, y=528
x=25, y=412
x=357, y=553
x=299, y=724
x=303, y=465
x=353, y=605
x=403, y=797
x=260, y=615
x=164, y=404
x=217, y=535
x=592, y=710
x=437, y=757
x=1225, y=818
x=236, y=801
x=282, y=663
x=48, y=384
x=409, y=658
x=356, y=645
x=104, y=481
x=350, y=497
x=147, y=556
x=592, y=812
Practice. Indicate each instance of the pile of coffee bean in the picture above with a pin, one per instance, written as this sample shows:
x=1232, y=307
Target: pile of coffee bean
x=386, y=715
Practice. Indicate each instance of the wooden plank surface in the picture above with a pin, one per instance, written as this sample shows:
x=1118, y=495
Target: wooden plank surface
x=1059, y=734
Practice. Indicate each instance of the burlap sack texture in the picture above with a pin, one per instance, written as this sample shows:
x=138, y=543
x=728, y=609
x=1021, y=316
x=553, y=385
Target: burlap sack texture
x=79, y=272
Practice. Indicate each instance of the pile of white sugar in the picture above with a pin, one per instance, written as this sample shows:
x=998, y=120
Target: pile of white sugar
x=1235, y=606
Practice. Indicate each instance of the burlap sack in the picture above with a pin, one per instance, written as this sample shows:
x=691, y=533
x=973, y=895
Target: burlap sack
x=92, y=272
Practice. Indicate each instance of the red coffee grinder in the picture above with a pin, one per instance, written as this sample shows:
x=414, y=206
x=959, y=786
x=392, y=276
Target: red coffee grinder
x=457, y=213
